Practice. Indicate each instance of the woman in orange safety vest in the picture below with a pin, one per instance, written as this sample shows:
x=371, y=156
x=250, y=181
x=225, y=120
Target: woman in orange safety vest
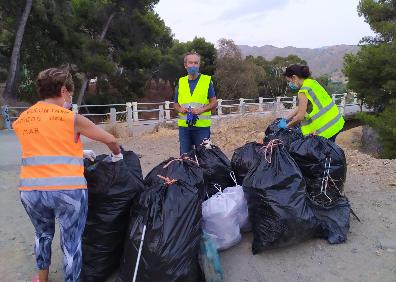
x=52, y=183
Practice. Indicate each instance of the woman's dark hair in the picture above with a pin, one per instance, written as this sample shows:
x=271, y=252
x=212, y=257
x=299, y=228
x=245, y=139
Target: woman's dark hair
x=50, y=81
x=299, y=70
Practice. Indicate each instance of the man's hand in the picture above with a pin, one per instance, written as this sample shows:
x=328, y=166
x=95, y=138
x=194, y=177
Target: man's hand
x=89, y=154
x=197, y=111
x=183, y=110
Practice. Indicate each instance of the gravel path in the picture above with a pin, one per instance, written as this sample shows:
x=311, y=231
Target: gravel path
x=370, y=186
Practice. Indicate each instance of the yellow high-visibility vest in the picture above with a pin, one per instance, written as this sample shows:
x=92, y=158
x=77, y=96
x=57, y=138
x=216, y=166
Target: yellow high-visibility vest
x=198, y=99
x=325, y=119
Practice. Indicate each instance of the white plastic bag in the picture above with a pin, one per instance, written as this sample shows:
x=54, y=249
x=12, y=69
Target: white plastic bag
x=220, y=220
x=236, y=193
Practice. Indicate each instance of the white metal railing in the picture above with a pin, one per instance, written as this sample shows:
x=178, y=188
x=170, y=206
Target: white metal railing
x=131, y=111
x=225, y=107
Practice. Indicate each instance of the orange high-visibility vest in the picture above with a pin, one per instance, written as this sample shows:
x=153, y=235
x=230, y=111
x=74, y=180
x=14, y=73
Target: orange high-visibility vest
x=52, y=155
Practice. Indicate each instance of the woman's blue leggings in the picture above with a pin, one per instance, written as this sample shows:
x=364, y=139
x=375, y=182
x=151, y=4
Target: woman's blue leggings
x=69, y=207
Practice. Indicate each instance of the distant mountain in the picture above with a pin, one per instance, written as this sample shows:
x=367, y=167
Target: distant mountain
x=325, y=60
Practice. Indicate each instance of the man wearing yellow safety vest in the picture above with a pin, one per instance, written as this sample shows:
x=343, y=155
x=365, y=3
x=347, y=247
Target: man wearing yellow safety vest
x=194, y=100
x=316, y=110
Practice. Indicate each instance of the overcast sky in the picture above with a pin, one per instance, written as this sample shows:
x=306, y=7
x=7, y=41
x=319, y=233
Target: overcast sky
x=299, y=23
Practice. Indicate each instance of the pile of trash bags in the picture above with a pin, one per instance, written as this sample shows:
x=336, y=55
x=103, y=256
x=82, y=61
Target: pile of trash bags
x=112, y=188
x=164, y=233
x=275, y=192
x=171, y=226
x=282, y=208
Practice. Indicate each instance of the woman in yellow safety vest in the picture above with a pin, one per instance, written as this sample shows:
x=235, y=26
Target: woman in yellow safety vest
x=316, y=111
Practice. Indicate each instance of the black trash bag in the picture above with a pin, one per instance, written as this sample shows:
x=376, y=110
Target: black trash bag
x=111, y=190
x=244, y=159
x=172, y=213
x=278, y=210
x=216, y=166
x=177, y=168
x=333, y=219
x=286, y=135
x=323, y=164
x=273, y=127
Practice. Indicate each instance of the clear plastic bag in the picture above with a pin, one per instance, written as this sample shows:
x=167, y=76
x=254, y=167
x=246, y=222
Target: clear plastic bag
x=236, y=193
x=220, y=220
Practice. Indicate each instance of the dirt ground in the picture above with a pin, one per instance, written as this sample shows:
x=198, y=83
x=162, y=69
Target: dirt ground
x=370, y=186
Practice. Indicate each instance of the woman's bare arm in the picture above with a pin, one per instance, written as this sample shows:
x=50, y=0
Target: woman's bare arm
x=301, y=110
x=87, y=128
x=293, y=113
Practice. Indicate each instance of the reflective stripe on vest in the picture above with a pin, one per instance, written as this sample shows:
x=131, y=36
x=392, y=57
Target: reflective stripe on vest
x=321, y=112
x=330, y=124
x=192, y=105
x=201, y=117
x=53, y=181
x=52, y=158
x=325, y=118
x=313, y=96
x=197, y=99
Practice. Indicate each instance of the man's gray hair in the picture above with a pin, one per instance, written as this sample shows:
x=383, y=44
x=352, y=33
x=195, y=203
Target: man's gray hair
x=191, y=53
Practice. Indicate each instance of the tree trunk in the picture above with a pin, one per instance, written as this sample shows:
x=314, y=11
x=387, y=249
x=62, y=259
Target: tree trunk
x=82, y=90
x=106, y=26
x=101, y=38
x=10, y=83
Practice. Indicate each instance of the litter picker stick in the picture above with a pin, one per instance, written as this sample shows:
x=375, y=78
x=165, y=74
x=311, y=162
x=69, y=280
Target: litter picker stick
x=139, y=253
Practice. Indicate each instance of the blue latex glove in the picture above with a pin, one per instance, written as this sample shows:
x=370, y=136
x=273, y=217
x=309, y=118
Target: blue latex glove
x=282, y=123
x=191, y=118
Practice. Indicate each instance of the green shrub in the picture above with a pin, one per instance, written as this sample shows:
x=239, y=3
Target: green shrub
x=385, y=124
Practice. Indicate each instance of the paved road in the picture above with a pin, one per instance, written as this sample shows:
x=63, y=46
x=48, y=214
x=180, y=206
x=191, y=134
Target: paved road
x=10, y=150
